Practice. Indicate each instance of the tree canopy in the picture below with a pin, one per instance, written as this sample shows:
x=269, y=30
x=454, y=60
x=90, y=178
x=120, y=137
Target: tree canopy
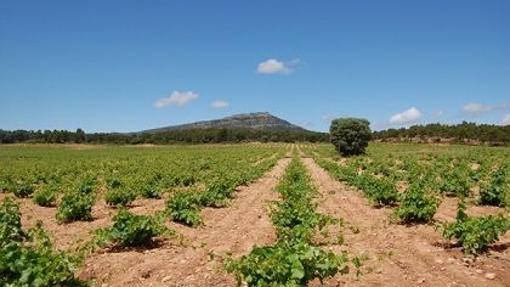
x=350, y=136
x=191, y=136
x=460, y=133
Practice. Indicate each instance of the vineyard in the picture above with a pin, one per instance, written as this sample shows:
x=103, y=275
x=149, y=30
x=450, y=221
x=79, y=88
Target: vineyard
x=254, y=215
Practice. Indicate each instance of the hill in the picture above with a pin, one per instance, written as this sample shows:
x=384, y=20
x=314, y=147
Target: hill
x=255, y=121
x=261, y=127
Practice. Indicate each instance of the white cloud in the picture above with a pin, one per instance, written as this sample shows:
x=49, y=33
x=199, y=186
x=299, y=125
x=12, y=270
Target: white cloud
x=273, y=66
x=220, y=104
x=506, y=120
x=177, y=98
x=475, y=108
x=406, y=117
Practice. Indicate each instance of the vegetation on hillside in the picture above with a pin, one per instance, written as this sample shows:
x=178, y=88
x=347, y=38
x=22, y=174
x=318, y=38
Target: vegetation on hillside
x=460, y=133
x=187, y=136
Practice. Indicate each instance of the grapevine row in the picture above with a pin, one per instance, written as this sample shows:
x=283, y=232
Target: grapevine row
x=294, y=259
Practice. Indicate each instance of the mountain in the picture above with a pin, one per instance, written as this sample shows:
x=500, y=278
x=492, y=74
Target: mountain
x=253, y=121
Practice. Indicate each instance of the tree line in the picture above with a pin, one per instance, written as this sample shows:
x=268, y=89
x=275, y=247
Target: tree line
x=464, y=132
x=188, y=136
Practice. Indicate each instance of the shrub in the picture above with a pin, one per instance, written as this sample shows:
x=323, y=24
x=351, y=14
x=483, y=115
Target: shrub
x=183, y=207
x=7, y=185
x=296, y=219
x=475, y=234
x=87, y=185
x=217, y=193
x=130, y=230
x=23, y=189
x=27, y=258
x=119, y=197
x=455, y=182
x=75, y=206
x=350, y=136
x=212, y=199
x=379, y=190
x=287, y=265
x=383, y=192
x=496, y=192
x=113, y=182
x=187, y=179
x=10, y=223
x=46, y=196
x=416, y=207
x=150, y=190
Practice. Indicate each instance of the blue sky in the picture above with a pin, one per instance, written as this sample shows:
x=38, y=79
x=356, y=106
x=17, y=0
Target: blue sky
x=133, y=65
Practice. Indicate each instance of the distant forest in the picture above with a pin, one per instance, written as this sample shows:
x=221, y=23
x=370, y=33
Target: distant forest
x=465, y=132
x=189, y=136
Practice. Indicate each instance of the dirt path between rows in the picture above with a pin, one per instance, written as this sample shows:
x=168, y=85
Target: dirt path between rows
x=400, y=255
x=67, y=236
x=197, y=259
x=63, y=234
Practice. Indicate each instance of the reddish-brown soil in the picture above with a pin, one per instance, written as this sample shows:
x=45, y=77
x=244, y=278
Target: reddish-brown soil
x=63, y=235
x=68, y=235
x=398, y=255
x=196, y=258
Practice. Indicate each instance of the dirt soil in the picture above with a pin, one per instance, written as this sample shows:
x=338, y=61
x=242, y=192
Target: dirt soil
x=196, y=258
x=398, y=255
x=73, y=234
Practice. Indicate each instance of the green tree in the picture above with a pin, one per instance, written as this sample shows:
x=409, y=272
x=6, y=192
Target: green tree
x=350, y=136
x=80, y=136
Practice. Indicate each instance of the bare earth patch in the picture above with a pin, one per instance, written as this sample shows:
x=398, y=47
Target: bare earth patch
x=64, y=235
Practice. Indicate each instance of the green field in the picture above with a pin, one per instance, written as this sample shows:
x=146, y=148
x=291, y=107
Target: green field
x=130, y=167
x=92, y=198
